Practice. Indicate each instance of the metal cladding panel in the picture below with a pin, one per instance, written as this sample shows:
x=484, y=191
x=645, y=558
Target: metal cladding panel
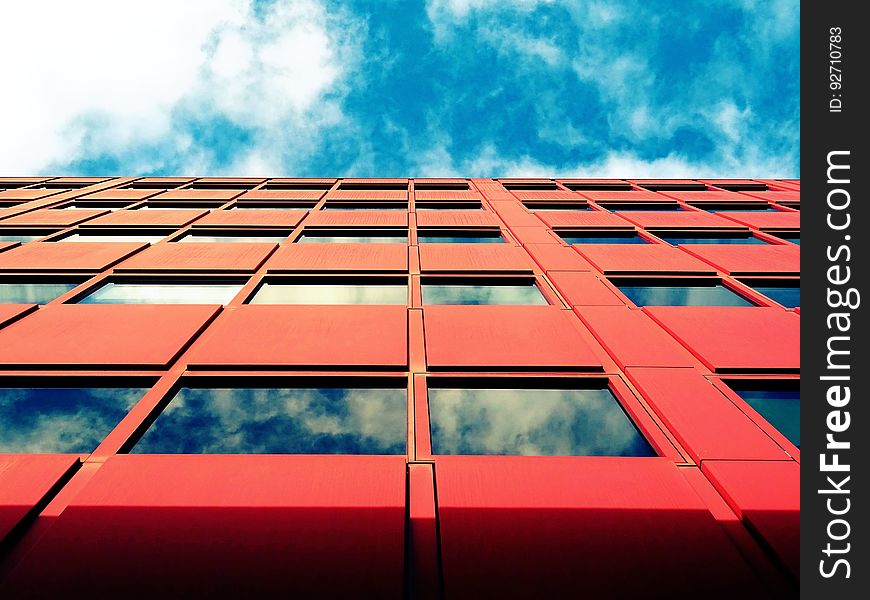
x=507, y=337
x=25, y=480
x=584, y=289
x=319, y=336
x=367, y=195
x=116, y=194
x=282, y=195
x=697, y=196
x=534, y=527
x=447, y=195
x=706, y=423
x=227, y=526
x=621, y=195
x=364, y=218
x=551, y=257
x=196, y=194
x=200, y=257
x=473, y=257
x=93, y=335
x=145, y=218
x=632, y=338
x=8, y=245
x=735, y=338
x=252, y=218
x=457, y=218
x=641, y=258
x=339, y=257
x=583, y=218
x=515, y=214
x=535, y=235
x=547, y=195
x=775, y=196
x=27, y=194
x=52, y=218
x=749, y=259
x=67, y=256
x=10, y=312
x=766, y=496
x=766, y=220
x=688, y=219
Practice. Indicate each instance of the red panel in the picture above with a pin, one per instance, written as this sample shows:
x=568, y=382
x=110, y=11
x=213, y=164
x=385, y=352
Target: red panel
x=632, y=339
x=25, y=479
x=547, y=195
x=200, y=257
x=423, y=534
x=765, y=220
x=282, y=195
x=621, y=195
x=367, y=195
x=773, y=196
x=67, y=256
x=141, y=218
x=704, y=421
x=447, y=195
x=27, y=194
x=507, y=337
x=49, y=217
x=457, y=218
x=766, y=495
x=552, y=257
x=583, y=218
x=364, y=218
x=252, y=218
x=696, y=196
x=190, y=194
x=747, y=259
x=227, y=527
x=531, y=527
x=677, y=220
x=270, y=335
x=641, y=258
x=340, y=257
x=735, y=338
x=11, y=312
x=473, y=257
x=74, y=335
x=535, y=235
x=584, y=289
x=8, y=245
x=116, y=194
x=515, y=214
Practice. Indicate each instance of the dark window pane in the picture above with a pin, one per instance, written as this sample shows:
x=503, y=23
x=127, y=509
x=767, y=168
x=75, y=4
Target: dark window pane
x=780, y=405
x=794, y=238
x=114, y=237
x=454, y=237
x=611, y=237
x=787, y=293
x=163, y=293
x=710, y=238
x=242, y=238
x=482, y=294
x=60, y=420
x=280, y=421
x=532, y=422
x=751, y=208
x=683, y=295
x=23, y=292
x=9, y=236
x=279, y=293
x=340, y=238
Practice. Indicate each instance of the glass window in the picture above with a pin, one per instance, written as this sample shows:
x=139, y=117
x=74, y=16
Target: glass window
x=331, y=293
x=709, y=237
x=354, y=237
x=738, y=208
x=325, y=420
x=272, y=206
x=162, y=292
x=199, y=205
x=10, y=235
x=532, y=422
x=459, y=237
x=642, y=206
x=454, y=292
x=779, y=402
x=572, y=206
x=785, y=291
x=215, y=236
x=790, y=236
x=33, y=291
x=364, y=206
x=602, y=237
x=121, y=236
x=62, y=419
x=669, y=292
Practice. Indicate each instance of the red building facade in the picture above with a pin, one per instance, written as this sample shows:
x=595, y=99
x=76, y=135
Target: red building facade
x=387, y=388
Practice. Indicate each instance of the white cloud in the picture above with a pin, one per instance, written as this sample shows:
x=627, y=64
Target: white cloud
x=109, y=75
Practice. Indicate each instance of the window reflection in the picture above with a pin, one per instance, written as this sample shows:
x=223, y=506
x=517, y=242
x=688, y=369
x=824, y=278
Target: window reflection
x=478, y=237
x=683, y=295
x=482, y=294
x=779, y=403
x=355, y=238
x=163, y=293
x=604, y=238
x=710, y=238
x=216, y=237
x=20, y=237
x=117, y=237
x=532, y=422
x=794, y=238
x=29, y=292
x=280, y=421
x=787, y=294
x=61, y=420
x=280, y=293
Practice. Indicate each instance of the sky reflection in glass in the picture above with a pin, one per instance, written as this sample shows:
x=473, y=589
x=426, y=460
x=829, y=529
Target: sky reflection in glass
x=19, y=237
x=61, y=420
x=780, y=406
x=482, y=294
x=23, y=292
x=163, y=293
x=683, y=295
x=278, y=293
x=604, y=238
x=116, y=237
x=459, y=238
x=203, y=237
x=710, y=238
x=280, y=421
x=334, y=238
x=789, y=295
x=532, y=422
x=794, y=238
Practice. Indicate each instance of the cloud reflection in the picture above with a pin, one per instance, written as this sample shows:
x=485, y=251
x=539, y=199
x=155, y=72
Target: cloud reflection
x=482, y=294
x=683, y=295
x=163, y=293
x=274, y=293
x=33, y=293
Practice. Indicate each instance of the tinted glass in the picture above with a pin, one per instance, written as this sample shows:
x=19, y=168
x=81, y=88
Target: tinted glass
x=532, y=422
x=202, y=237
x=482, y=294
x=357, y=206
x=743, y=209
x=375, y=238
x=708, y=238
x=794, y=238
x=787, y=294
x=33, y=292
x=280, y=421
x=163, y=293
x=683, y=295
x=604, y=238
x=459, y=238
x=19, y=237
x=643, y=207
x=781, y=407
x=132, y=237
x=60, y=420
x=279, y=293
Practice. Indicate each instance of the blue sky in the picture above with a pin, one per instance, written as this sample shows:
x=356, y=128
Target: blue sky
x=403, y=88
